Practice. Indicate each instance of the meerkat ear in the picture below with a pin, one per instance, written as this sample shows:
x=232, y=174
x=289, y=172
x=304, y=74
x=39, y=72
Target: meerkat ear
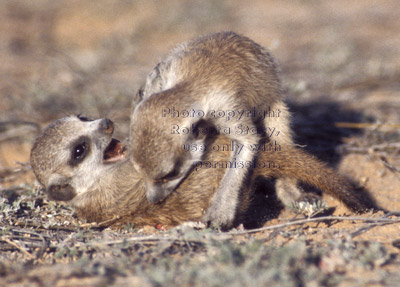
x=137, y=99
x=60, y=189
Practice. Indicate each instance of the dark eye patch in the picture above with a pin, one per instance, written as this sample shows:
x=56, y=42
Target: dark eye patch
x=173, y=174
x=79, y=150
x=83, y=118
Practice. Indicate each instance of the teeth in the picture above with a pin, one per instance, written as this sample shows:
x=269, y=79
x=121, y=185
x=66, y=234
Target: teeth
x=115, y=151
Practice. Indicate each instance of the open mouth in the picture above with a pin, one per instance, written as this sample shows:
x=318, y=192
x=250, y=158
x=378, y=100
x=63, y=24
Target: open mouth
x=114, y=152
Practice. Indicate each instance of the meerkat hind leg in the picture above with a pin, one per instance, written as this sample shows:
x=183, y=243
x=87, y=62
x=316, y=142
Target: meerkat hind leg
x=289, y=192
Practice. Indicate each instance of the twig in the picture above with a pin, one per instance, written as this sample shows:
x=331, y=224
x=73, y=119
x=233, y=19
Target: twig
x=369, y=226
x=365, y=228
x=365, y=125
x=385, y=146
x=388, y=165
x=28, y=224
x=17, y=129
x=226, y=235
x=377, y=151
x=348, y=125
x=43, y=246
x=6, y=173
x=102, y=224
x=143, y=239
x=19, y=247
x=317, y=219
x=370, y=149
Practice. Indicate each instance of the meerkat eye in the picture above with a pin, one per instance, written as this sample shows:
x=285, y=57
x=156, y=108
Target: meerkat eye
x=170, y=176
x=173, y=174
x=79, y=150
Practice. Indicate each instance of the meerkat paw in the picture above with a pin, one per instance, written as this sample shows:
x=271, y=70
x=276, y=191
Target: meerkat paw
x=197, y=225
x=156, y=195
x=218, y=218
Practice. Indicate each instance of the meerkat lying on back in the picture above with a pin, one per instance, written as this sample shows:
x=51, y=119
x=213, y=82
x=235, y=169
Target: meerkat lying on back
x=78, y=161
x=220, y=83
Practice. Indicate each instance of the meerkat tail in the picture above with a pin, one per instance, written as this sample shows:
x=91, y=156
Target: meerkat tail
x=295, y=163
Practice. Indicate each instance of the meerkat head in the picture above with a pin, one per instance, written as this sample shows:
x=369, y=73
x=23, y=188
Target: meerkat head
x=162, y=156
x=72, y=153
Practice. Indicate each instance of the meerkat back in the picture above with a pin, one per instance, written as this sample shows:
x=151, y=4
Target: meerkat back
x=218, y=84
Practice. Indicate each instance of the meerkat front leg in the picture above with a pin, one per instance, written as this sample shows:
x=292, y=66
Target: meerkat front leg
x=223, y=207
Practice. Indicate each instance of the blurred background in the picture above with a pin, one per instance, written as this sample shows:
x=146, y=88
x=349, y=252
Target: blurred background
x=59, y=57
x=339, y=60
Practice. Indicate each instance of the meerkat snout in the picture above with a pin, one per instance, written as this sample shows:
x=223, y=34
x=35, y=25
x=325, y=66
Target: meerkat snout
x=158, y=191
x=60, y=188
x=106, y=126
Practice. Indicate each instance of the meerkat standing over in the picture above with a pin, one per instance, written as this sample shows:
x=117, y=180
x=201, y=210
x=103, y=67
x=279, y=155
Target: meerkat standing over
x=222, y=83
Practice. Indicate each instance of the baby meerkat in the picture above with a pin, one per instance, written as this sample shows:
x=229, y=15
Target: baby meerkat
x=78, y=161
x=221, y=83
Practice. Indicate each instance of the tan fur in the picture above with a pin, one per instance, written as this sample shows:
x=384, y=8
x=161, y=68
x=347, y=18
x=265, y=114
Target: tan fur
x=118, y=189
x=218, y=72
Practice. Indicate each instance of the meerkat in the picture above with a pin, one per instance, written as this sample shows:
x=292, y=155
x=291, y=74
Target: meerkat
x=220, y=83
x=77, y=160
